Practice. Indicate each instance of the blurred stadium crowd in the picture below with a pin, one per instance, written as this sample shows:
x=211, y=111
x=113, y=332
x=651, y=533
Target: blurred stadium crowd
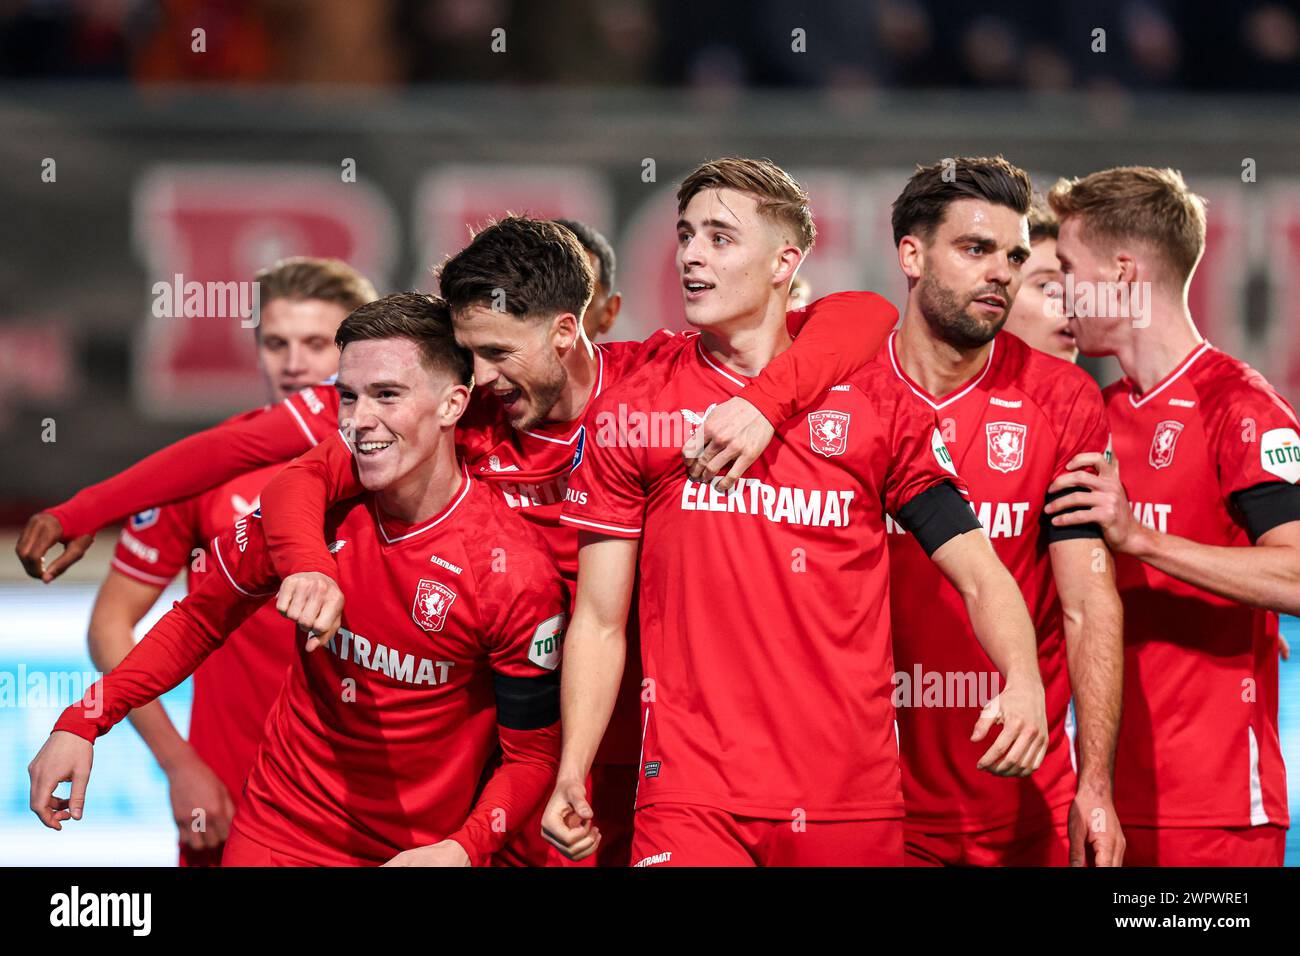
x=1150, y=45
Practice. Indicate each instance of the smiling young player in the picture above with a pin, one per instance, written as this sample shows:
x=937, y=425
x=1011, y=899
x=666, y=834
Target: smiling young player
x=376, y=747
x=537, y=375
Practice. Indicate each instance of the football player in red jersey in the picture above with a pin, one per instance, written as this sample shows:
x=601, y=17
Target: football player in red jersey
x=303, y=302
x=376, y=745
x=1035, y=315
x=537, y=373
x=606, y=301
x=1205, y=525
x=524, y=431
x=1013, y=418
x=768, y=732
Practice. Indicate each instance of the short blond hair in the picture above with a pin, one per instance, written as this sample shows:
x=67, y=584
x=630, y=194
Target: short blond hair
x=780, y=198
x=1043, y=223
x=1141, y=203
x=324, y=280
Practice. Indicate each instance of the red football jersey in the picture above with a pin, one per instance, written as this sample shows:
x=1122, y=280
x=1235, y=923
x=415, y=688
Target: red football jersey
x=1199, y=742
x=1011, y=431
x=235, y=687
x=377, y=742
x=764, y=611
x=530, y=469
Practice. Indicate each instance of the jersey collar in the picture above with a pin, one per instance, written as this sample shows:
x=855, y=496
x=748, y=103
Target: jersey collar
x=714, y=366
x=1168, y=380
x=925, y=396
x=402, y=532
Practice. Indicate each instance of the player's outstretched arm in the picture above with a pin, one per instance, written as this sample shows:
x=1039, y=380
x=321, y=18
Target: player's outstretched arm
x=170, y=652
x=1266, y=575
x=1001, y=623
x=594, y=653
x=1094, y=645
x=838, y=334
x=189, y=467
x=120, y=605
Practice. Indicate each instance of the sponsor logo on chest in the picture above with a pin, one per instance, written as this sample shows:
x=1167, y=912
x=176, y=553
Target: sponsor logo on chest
x=1154, y=515
x=401, y=666
x=816, y=508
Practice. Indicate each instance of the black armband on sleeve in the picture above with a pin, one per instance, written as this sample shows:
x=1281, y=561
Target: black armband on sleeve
x=1263, y=507
x=527, y=703
x=936, y=516
x=1070, y=531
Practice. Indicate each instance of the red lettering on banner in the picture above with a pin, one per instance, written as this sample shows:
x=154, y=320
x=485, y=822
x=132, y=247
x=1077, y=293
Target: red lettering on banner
x=221, y=224
x=457, y=199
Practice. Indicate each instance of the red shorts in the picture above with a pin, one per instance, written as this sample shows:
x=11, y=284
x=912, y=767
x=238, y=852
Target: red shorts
x=245, y=851
x=671, y=834
x=1047, y=844
x=1197, y=846
x=208, y=857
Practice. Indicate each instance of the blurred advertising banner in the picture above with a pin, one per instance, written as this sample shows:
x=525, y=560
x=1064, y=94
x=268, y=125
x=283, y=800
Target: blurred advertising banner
x=132, y=241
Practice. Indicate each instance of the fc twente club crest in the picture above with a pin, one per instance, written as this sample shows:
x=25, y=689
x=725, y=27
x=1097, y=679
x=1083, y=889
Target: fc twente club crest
x=828, y=433
x=1006, y=444
x=1163, y=442
x=432, y=602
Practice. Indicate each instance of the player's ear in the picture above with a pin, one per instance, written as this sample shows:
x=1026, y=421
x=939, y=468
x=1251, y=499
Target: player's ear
x=564, y=331
x=911, y=257
x=613, y=305
x=788, y=258
x=1127, y=267
x=455, y=401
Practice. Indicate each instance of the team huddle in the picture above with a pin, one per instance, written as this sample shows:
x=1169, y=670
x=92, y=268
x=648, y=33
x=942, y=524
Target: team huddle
x=800, y=587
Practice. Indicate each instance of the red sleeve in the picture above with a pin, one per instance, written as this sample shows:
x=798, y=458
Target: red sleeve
x=918, y=459
x=1082, y=427
x=183, y=638
x=201, y=462
x=837, y=335
x=294, y=503
x=155, y=545
x=525, y=617
x=512, y=795
x=606, y=494
x=1257, y=442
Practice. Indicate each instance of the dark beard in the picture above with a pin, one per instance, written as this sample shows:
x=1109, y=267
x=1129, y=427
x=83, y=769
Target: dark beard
x=544, y=396
x=948, y=319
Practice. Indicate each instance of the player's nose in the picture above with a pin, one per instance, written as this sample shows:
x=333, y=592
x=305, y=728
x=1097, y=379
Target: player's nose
x=692, y=253
x=363, y=413
x=485, y=372
x=1000, y=270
